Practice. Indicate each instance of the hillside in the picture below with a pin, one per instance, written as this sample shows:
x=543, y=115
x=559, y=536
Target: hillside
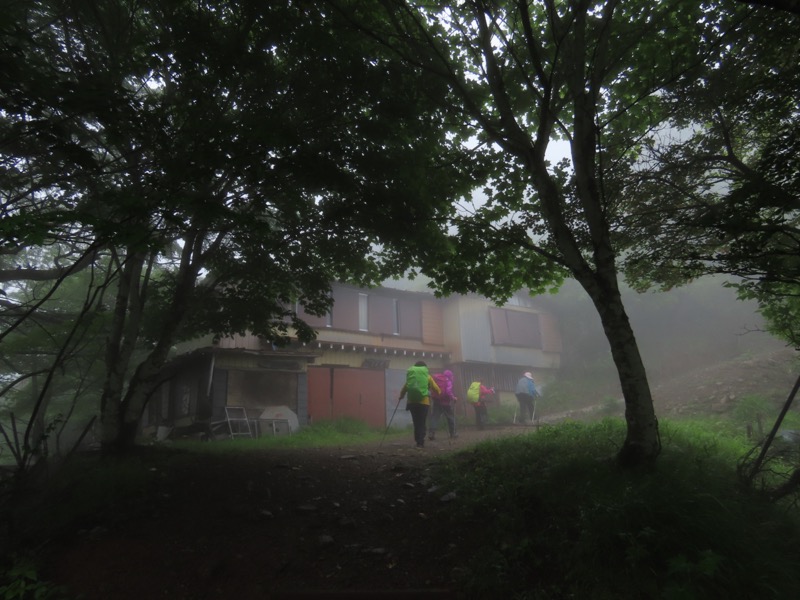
x=718, y=388
x=762, y=379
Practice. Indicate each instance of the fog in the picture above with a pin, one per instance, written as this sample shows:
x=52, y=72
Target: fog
x=687, y=328
x=697, y=325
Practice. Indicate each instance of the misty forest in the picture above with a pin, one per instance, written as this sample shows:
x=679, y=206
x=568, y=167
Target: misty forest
x=181, y=178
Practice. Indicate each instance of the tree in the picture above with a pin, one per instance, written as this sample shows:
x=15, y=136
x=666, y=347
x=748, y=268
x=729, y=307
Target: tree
x=728, y=182
x=525, y=74
x=216, y=161
x=718, y=190
x=792, y=6
x=49, y=360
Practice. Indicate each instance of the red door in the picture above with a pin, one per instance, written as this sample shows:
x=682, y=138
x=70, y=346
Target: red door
x=335, y=392
x=320, y=394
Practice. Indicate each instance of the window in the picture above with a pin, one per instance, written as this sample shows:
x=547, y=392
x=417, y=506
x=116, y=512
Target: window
x=377, y=313
x=363, y=314
x=523, y=301
x=515, y=328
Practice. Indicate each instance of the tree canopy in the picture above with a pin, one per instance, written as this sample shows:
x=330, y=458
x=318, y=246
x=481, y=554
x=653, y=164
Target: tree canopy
x=213, y=163
x=604, y=76
x=201, y=167
x=523, y=75
x=719, y=192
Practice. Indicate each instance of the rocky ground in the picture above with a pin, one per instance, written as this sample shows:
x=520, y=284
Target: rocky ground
x=715, y=389
x=306, y=523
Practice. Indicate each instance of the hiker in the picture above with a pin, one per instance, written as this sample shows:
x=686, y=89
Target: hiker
x=526, y=396
x=443, y=404
x=418, y=380
x=478, y=394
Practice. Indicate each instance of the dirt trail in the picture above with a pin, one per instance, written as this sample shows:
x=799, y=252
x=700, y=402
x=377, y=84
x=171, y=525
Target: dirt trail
x=361, y=517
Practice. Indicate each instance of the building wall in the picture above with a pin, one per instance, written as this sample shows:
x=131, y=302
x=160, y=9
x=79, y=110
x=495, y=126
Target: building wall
x=302, y=399
x=243, y=342
x=182, y=400
x=456, y=333
x=475, y=332
x=259, y=389
x=396, y=413
x=360, y=358
x=395, y=320
x=219, y=394
x=453, y=338
x=353, y=356
x=476, y=337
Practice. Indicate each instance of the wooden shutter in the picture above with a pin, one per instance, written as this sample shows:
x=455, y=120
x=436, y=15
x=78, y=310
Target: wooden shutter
x=410, y=318
x=432, y=323
x=523, y=329
x=380, y=314
x=345, y=309
x=500, y=335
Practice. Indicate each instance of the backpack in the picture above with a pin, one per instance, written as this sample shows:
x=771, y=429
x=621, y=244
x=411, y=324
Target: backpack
x=442, y=382
x=474, y=392
x=416, y=383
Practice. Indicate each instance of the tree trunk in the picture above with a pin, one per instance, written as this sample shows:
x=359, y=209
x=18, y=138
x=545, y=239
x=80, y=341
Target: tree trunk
x=121, y=419
x=120, y=345
x=120, y=429
x=140, y=389
x=125, y=436
x=124, y=406
x=642, y=442
x=567, y=90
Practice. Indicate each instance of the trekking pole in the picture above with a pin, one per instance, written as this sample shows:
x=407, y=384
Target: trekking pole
x=390, y=422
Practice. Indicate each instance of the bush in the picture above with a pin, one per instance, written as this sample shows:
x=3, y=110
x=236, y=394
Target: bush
x=749, y=409
x=19, y=580
x=611, y=407
x=567, y=522
x=502, y=414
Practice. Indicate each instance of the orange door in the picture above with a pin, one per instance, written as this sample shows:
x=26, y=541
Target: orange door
x=335, y=392
x=320, y=394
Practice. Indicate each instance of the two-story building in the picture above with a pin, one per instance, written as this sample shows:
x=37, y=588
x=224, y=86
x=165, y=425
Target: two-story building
x=356, y=366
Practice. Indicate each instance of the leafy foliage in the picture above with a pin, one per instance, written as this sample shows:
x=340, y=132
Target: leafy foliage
x=218, y=163
x=523, y=74
x=721, y=194
x=20, y=581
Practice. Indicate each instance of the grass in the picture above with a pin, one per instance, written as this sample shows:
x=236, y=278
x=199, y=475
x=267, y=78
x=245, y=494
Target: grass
x=563, y=521
x=555, y=517
x=340, y=432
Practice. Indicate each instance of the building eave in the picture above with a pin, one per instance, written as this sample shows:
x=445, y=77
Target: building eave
x=387, y=351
